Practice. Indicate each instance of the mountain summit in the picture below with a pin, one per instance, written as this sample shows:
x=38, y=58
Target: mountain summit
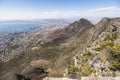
x=74, y=29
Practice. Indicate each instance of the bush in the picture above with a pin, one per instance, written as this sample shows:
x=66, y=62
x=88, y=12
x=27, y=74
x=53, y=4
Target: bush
x=115, y=65
x=86, y=70
x=88, y=56
x=72, y=69
x=114, y=50
x=114, y=56
x=104, y=44
x=114, y=53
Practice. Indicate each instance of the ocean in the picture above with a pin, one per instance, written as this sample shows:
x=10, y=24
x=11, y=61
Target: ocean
x=18, y=26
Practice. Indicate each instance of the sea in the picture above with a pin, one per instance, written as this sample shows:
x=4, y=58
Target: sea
x=18, y=26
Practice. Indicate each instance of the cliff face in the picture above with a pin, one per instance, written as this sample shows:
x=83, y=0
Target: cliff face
x=80, y=49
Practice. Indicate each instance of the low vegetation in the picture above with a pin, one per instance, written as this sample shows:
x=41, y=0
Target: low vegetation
x=113, y=49
x=86, y=70
x=105, y=44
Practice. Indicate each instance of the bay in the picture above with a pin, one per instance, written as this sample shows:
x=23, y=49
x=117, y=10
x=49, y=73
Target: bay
x=18, y=26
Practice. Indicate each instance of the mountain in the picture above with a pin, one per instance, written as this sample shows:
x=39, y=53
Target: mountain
x=79, y=49
x=100, y=56
x=75, y=29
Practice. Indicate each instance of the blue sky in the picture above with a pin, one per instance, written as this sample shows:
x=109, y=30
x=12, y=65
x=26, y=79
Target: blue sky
x=67, y=9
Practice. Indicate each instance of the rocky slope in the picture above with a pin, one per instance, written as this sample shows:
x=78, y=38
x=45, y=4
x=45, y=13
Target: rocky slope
x=80, y=49
x=101, y=56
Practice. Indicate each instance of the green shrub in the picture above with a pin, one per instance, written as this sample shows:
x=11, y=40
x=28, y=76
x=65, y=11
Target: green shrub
x=72, y=69
x=104, y=44
x=86, y=70
x=114, y=65
x=88, y=56
x=98, y=48
x=113, y=49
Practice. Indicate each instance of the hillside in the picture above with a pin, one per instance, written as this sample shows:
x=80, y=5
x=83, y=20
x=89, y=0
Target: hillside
x=79, y=49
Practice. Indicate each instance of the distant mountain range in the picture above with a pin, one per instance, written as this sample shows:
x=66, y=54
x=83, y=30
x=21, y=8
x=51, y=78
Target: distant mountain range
x=39, y=20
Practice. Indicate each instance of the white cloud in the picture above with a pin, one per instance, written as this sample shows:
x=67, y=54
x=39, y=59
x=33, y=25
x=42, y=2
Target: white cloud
x=112, y=11
x=40, y=15
x=111, y=8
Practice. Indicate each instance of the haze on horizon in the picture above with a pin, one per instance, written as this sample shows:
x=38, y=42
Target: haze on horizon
x=58, y=9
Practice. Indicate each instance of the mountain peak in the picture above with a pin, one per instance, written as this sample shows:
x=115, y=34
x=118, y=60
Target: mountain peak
x=78, y=27
x=83, y=20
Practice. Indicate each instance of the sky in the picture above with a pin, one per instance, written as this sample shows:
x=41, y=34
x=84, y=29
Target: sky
x=58, y=9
